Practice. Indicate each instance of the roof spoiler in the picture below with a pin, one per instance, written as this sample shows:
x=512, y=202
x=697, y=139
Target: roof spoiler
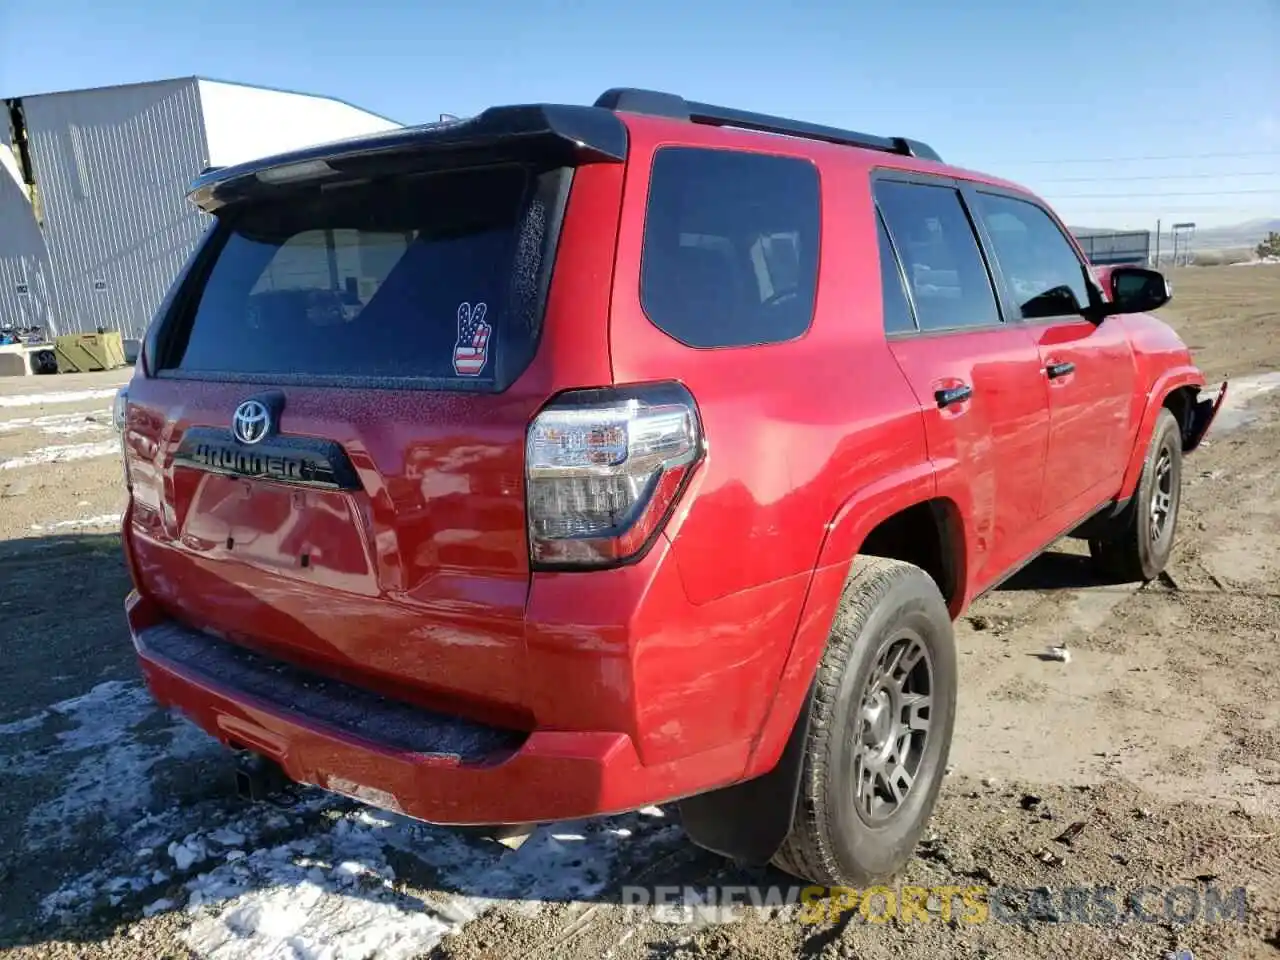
x=563, y=134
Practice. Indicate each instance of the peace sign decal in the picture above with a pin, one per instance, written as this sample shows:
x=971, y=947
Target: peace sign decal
x=471, y=352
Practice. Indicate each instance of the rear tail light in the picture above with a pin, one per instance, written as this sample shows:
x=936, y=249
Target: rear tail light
x=604, y=468
x=120, y=420
x=120, y=409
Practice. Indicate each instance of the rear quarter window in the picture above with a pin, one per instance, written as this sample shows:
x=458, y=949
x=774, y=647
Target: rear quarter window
x=730, y=254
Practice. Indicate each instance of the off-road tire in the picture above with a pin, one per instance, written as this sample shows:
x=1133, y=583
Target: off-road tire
x=1129, y=553
x=830, y=841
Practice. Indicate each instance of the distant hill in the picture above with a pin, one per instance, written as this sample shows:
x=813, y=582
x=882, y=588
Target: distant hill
x=1245, y=234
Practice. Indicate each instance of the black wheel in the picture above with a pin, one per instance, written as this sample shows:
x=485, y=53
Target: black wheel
x=1139, y=546
x=881, y=721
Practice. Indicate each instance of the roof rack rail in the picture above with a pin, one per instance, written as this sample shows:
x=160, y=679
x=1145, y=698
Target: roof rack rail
x=658, y=104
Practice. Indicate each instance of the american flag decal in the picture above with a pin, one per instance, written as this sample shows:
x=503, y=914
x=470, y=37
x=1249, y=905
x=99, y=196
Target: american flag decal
x=471, y=352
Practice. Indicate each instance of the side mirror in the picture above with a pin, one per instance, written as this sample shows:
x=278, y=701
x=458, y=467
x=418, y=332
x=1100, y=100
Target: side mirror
x=1136, y=290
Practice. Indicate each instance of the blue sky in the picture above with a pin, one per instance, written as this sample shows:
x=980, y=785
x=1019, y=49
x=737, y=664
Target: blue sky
x=1063, y=97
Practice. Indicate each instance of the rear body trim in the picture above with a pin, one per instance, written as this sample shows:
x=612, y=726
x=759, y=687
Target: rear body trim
x=298, y=461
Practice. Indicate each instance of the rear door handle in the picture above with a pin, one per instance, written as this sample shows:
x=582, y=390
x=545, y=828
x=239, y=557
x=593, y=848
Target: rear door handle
x=1055, y=370
x=952, y=395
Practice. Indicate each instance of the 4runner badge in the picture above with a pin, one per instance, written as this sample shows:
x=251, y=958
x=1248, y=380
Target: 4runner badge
x=251, y=422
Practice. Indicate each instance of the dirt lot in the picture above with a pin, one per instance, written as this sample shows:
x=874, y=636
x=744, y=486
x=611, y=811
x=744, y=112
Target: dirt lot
x=1161, y=737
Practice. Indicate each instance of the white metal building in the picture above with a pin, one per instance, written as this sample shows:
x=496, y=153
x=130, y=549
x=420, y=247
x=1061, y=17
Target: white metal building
x=94, y=223
x=24, y=257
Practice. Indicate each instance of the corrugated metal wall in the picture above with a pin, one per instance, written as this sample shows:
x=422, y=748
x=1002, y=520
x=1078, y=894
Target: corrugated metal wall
x=1132, y=246
x=25, y=296
x=245, y=123
x=112, y=166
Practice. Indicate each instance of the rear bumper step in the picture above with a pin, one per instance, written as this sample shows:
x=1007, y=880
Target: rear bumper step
x=439, y=769
x=349, y=709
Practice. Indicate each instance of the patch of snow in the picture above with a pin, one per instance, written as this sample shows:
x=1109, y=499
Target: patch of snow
x=67, y=429
x=227, y=837
x=17, y=727
x=188, y=852
x=60, y=396
x=150, y=868
x=1241, y=394
x=109, y=768
x=98, y=717
x=59, y=422
x=62, y=453
x=159, y=906
x=80, y=523
x=314, y=881
x=330, y=895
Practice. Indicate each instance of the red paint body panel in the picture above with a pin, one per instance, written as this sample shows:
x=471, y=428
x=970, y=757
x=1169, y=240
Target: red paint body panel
x=826, y=414
x=1163, y=365
x=682, y=671
x=988, y=451
x=1090, y=409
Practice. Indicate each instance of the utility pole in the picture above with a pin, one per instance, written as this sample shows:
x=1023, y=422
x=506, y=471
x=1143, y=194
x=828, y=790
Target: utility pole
x=1157, y=263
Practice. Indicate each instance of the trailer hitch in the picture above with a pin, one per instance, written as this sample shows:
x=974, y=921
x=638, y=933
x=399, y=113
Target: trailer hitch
x=260, y=779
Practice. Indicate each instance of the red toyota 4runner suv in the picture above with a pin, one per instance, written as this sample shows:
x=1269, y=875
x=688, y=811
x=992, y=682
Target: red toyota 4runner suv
x=565, y=460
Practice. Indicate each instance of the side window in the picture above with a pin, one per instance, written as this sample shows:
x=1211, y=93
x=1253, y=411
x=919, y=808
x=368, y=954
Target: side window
x=897, y=311
x=1038, y=262
x=730, y=246
x=949, y=282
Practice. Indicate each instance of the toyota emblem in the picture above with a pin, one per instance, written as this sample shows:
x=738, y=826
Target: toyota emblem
x=252, y=421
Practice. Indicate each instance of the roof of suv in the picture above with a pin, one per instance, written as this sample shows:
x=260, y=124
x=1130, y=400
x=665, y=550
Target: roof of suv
x=596, y=130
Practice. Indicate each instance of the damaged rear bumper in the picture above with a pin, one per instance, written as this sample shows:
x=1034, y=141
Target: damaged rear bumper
x=399, y=757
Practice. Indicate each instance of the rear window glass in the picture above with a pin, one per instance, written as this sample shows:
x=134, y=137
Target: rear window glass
x=730, y=246
x=434, y=277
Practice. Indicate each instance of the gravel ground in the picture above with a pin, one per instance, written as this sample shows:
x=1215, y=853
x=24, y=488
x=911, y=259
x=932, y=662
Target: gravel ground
x=1160, y=738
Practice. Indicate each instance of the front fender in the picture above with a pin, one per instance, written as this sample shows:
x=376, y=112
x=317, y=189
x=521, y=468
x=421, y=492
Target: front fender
x=1168, y=381
x=847, y=530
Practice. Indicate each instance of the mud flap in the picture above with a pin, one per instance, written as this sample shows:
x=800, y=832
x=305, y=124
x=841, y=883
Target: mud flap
x=1201, y=418
x=748, y=822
